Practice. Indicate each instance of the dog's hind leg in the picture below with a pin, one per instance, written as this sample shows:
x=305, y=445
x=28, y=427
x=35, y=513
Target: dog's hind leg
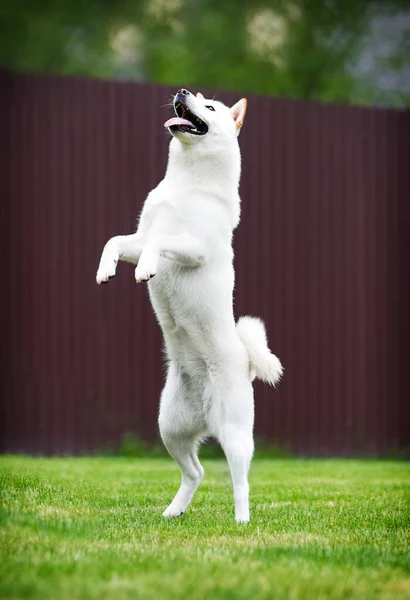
x=238, y=448
x=236, y=439
x=184, y=451
x=179, y=431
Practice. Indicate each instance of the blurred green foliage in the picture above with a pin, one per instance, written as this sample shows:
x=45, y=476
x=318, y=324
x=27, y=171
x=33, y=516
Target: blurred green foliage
x=304, y=49
x=133, y=446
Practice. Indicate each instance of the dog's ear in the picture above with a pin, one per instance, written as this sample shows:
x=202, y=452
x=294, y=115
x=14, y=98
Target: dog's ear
x=238, y=112
x=200, y=96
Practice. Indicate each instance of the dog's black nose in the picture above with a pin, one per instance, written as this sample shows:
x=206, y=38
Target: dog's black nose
x=183, y=92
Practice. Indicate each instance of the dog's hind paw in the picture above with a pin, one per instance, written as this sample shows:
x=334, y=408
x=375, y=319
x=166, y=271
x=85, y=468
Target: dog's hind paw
x=242, y=515
x=171, y=513
x=242, y=520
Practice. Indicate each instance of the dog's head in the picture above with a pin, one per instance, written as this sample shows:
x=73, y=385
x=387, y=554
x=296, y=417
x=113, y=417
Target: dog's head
x=199, y=120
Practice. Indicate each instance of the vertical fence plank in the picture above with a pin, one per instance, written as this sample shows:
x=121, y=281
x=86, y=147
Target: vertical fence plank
x=321, y=254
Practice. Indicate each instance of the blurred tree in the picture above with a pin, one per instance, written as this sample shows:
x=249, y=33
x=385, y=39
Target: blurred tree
x=301, y=48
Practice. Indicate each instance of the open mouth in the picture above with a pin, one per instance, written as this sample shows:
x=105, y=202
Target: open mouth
x=186, y=121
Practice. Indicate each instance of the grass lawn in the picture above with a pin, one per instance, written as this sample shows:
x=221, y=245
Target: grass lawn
x=91, y=528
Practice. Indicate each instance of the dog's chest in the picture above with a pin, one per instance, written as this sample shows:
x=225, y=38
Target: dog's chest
x=172, y=215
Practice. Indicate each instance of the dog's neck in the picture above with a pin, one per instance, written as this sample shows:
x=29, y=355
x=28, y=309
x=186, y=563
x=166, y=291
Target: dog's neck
x=190, y=164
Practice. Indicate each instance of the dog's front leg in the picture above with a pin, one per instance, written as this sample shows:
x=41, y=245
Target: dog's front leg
x=127, y=248
x=184, y=249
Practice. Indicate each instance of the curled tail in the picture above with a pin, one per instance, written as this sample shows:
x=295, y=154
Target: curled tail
x=263, y=364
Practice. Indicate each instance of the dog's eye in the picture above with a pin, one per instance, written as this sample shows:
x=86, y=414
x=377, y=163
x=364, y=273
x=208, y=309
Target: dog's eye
x=210, y=108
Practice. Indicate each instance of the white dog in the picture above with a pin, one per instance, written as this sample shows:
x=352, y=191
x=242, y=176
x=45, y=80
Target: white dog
x=184, y=247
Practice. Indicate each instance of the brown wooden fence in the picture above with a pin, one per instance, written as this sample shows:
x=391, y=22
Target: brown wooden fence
x=322, y=255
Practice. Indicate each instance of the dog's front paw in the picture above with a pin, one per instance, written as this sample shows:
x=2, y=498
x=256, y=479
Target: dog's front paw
x=107, y=268
x=106, y=272
x=147, y=267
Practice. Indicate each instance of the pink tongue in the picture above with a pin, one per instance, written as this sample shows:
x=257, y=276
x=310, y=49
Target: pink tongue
x=177, y=121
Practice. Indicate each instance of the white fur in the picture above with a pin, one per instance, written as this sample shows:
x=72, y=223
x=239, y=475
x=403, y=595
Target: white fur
x=184, y=243
x=263, y=364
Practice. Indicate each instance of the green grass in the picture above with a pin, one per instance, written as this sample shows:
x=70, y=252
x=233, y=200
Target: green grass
x=91, y=528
